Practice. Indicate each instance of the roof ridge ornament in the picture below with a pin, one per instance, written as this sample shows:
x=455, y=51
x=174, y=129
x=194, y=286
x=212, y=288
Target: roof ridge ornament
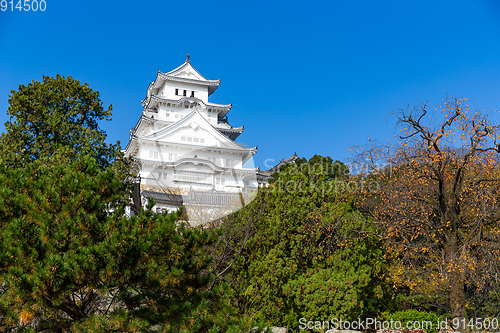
x=187, y=58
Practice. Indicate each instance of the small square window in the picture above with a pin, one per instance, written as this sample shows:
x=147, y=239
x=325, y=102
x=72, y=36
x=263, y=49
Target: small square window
x=196, y=140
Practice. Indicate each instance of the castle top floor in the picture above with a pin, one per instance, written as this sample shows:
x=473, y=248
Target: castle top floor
x=183, y=82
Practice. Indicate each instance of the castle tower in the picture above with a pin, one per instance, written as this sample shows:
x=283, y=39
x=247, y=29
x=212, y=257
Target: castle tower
x=183, y=147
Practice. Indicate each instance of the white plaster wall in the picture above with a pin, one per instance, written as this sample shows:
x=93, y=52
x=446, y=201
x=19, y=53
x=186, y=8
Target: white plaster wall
x=167, y=113
x=168, y=90
x=161, y=174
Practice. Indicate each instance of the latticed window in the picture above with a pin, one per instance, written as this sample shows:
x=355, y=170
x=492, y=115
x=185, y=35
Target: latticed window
x=192, y=176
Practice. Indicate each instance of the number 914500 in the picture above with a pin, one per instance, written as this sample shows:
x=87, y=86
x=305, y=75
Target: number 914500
x=23, y=5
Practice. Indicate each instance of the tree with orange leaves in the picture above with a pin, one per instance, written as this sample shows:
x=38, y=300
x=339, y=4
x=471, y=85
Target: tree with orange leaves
x=439, y=202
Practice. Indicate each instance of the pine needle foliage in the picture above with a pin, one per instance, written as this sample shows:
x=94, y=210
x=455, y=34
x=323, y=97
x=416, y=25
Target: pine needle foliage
x=71, y=259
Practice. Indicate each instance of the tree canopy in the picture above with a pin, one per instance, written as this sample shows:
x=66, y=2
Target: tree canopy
x=308, y=252
x=70, y=257
x=57, y=113
x=438, y=203
x=319, y=242
x=67, y=262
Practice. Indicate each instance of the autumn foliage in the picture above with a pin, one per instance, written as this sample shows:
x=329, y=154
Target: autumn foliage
x=415, y=229
x=439, y=202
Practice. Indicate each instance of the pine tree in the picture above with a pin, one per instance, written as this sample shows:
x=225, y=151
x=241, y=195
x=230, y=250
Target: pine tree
x=70, y=258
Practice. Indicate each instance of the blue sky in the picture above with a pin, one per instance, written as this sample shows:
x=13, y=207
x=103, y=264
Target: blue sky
x=311, y=77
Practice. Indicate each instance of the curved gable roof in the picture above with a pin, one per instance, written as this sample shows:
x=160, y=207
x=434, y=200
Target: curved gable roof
x=179, y=75
x=194, y=116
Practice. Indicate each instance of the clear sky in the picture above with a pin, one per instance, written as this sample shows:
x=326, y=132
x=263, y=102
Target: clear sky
x=311, y=77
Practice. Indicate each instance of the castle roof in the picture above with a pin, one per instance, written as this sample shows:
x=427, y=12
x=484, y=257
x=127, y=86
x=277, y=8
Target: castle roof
x=154, y=100
x=185, y=73
x=194, y=119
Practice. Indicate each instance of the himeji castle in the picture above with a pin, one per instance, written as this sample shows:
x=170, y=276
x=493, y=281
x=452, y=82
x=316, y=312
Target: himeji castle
x=183, y=149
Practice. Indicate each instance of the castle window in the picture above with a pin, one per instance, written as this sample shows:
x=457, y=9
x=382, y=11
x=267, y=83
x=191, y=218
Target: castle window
x=192, y=93
x=153, y=154
x=191, y=176
x=185, y=93
x=177, y=91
